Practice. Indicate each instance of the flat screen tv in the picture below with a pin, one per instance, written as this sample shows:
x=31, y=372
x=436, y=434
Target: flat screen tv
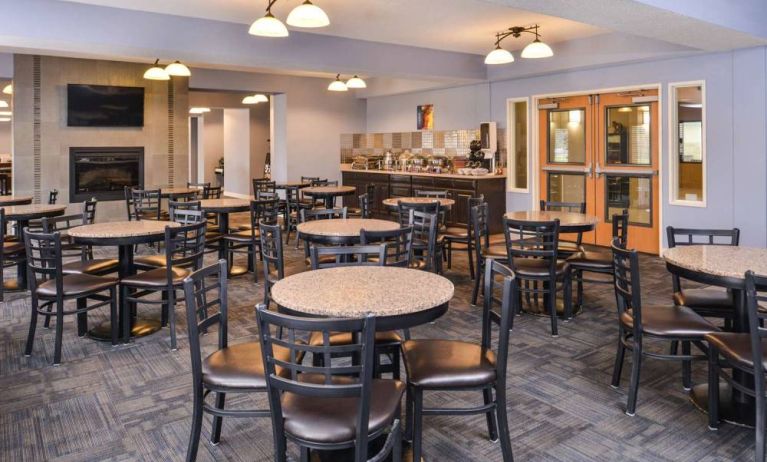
x=104, y=106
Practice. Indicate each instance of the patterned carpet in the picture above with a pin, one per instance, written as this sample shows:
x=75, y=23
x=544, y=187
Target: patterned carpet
x=133, y=402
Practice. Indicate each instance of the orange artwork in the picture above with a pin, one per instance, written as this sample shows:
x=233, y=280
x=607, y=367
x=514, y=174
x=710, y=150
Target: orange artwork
x=425, y=117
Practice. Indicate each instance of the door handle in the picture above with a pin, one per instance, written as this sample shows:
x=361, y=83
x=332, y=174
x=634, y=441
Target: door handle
x=598, y=171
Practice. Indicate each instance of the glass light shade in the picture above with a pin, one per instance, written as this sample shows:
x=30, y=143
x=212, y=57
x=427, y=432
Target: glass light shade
x=308, y=15
x=5, y=119
x=338, y=85
x=250, y=99
x=356, y=82
x=177, y=70
x=6, y=113
x=537, y=49
x=499, y=56
x=259, y=98
x=8, y=89
x=156, y=73
x=3, y=103
x=268, y=26
x=199, y=110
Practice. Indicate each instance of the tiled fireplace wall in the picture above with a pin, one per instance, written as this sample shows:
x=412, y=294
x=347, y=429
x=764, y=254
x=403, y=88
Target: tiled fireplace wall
x=451, y=143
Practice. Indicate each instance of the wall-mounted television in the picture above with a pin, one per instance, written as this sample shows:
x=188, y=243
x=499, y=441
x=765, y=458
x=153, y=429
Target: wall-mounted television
x=104, y=106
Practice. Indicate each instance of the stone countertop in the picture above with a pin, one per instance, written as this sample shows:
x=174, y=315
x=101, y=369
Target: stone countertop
x=718, y=260
x=117, y=229
x=224, y=205
x=15, y=200
x=33, y=211
x=392, y=201
x=348, y=168
x=355, y=291
x=329, y=190
x=349, y=227
x=565, y=218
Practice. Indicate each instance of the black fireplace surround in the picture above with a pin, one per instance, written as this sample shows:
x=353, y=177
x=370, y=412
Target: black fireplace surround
x=103, y=173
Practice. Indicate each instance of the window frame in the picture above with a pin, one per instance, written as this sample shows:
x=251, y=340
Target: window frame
x=673, y=145
x=511, y=164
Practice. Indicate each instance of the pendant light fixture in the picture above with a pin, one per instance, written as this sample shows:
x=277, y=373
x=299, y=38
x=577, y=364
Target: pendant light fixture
x=268, y=26
x=177, y=69
x=8, y=89
x=308, y=15
x=6, y=113
x=3, y=104
x=199, y=110
x=534, y=50
x=356, y=82
x=255, y=99
x=156, y=72
x=338, y=84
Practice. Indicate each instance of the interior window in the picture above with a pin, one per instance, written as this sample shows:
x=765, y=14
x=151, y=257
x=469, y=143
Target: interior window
x=688, y=143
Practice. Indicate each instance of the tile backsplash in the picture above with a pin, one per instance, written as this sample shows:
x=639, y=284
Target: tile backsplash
x=451, y=143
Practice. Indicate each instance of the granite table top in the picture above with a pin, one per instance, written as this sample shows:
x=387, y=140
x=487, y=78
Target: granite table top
x=355, y=291
x=225, y=205
x=15, y=200
x=329, y=190
x=348, y=227
x=292, y=184
x=565, y=218
x=719, y=260
x=29, y=211
x=179, y=191
x=443, y=202
x=120, y=229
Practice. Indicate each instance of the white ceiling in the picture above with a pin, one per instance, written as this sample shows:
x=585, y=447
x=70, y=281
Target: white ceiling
x=453, y=25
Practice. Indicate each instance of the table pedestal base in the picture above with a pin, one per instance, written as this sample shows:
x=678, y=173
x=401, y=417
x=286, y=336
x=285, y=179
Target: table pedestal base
x=730, y=411
x=348, y=455
x=141, y=328
x=237, y=270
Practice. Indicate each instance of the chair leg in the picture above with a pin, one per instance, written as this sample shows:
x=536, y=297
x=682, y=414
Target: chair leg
x=492, y=429
x=579, y=288
x=409, y=413
x=32, y=327
x=674, y=348
x=172, y=318
x=59, y=335
x=469, y=250
x=215, y=432
x=417, y=422
x=760, y=421
x=395, y=363
x=194, y=435
x=449, y=255
x=713, y=388
x=47, y=323
x=82, y=319
x=636, y=366
x=125, y=314
x=164, y=309
x=567, y=294
x=553, y=310
x=305, y=454
x=397, y=443
x=619, y=357
x=477, y=281
x=686, y=367
x=503, y=423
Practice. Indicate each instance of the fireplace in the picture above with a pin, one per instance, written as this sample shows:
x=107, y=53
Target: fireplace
x=103, y=173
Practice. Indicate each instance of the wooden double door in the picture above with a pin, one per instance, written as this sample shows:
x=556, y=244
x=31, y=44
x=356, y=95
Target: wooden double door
x=602, y=149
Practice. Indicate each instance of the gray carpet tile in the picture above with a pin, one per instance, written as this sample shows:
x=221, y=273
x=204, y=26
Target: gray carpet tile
x=133, y=402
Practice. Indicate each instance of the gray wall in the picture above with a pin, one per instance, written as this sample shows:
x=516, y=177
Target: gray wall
x=736, y=131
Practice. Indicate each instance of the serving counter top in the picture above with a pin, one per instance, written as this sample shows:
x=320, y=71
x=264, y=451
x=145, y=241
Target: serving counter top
x=348, y=168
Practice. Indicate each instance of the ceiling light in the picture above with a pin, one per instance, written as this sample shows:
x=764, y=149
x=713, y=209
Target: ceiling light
x=199, y=110
x=156, y=72
x=625, y=109
x=5, y=119
x=250, y=99
x=337, y=84
x=575, y=116
x=177, y=70
x=356, y=82
x=3, y=103
x=692, y=105
x=268, y=26
x=6, y=113
x=536, y=49
x=499, y=56
x=308, y=15
x=8, y=89
x=261, y=98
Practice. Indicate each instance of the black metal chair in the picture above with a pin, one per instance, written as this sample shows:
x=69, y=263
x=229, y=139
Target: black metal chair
x=533, y=254
x=427, y=246
x=274, y=261
x=248, y=241
x=659, y=322
x=714, y=302
x=399, y=249
x=567, y=248
x=84, y=264
x=147, y=204
x=745, y=353
x=51, y=288
x=364, y=200
x=184, y=249
x=463, y=236
x=12, y=253
x=263, y=185
x=293, y=206
x=452, y=365
x=353, y=255
x=483, y=247
x=306, y=214
x=597, y=261
x=335, y=406
x=230, y=368
x=53, y=194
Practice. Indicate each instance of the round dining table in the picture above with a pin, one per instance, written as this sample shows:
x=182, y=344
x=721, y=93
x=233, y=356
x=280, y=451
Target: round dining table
x=223, y=207
x=124, y=235
x=22, y=215
x=329, y=193
x=569, y=222
x=15, y=200
x=342, y=231
x=393, y=202
x=291, y=184
x=722, y=266
x=174, y=193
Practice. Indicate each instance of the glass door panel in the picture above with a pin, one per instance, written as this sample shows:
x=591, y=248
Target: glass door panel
x=630, y=193
x=567, y=187
x=567, y=136
x=628, y=140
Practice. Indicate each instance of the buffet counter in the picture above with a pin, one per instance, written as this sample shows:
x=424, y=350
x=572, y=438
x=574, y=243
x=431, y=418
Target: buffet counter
x=348, y=168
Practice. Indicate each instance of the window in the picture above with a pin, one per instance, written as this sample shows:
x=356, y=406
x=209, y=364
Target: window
x=687, y=144
x=517, y=130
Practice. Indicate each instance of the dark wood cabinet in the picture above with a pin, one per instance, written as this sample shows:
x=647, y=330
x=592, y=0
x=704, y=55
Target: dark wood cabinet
x=386, y=185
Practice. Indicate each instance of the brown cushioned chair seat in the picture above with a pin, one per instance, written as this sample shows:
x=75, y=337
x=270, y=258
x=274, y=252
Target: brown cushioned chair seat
x=736, y=348
x=12, y=247
x=97, y=266
x=670, y=321
x=77, y=284
x=456, y=233
x=334, y=420
x=156, y=277
x=496, y=251
x=447, y=363
x=156, y=261
x=345, y=338
x=242, y=227
x=238, y=366
x=537, y=267
x=705, y=298
x=570, y=247
x=289, y=270
x=245, y=236
x=153, y=215
x=596, y=260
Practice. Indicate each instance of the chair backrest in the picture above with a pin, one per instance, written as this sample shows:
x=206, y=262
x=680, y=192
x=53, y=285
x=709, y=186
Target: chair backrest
x=267, y=195
x=332, y=380
x=399, y=251
x=627, y=284
x=43, y=251
x=53, y=194
x=146, y=203
x=205, y=293
x=272, y=251
x=178, y=206
x=690, y=236
x=621, y=227
x=404, y=208
x=574, y=207
x=61, y=225
x=266, y=210
x=321, y=214
x=353, y=255
x=184, y=246
x=211, y=192
x=364, y=203
x=200, y=185
x=263, y=185
x=504, y=316
x=480, y=229
x=425, y=227
x=435, y=194
x=188, y=216
x=309, y=179
x=756, y=295
x=89, y=210
x=532, y=239
x=129, y=203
